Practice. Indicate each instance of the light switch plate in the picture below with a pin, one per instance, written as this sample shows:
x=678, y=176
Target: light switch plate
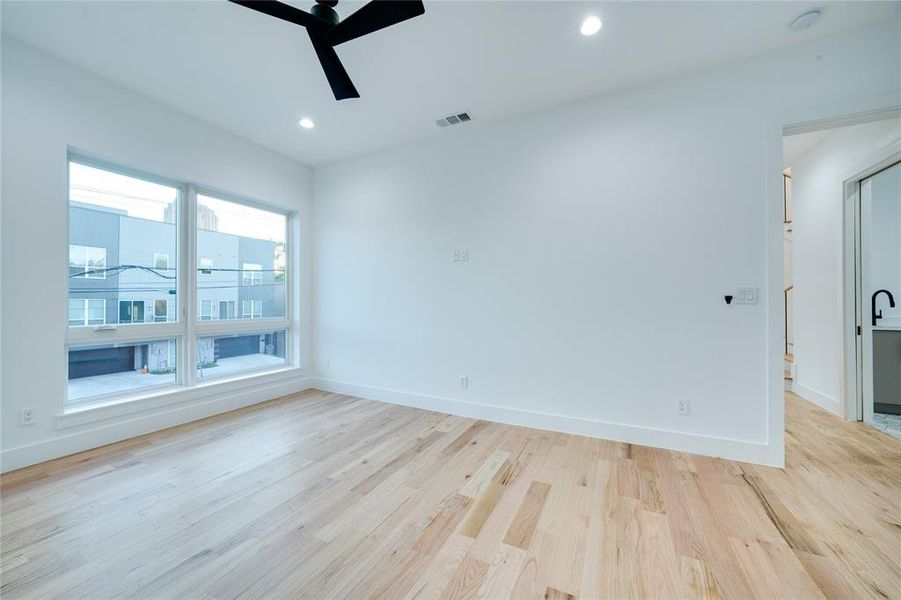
x=745, y=295
x=461, y=255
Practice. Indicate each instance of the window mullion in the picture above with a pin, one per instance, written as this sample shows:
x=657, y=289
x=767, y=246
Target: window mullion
x=292, y=249
x=188, y=236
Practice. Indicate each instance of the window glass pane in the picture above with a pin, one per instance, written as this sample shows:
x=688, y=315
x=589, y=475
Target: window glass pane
x=227, y=354
x=131, y=311
x=226, y=309
x=161, y=262
x=161, y=310
x=115, y=368
x=241, y=260
x=89, y=262
x=96, y=311
x=76, y=312
x=251, y=274
x=122, y=245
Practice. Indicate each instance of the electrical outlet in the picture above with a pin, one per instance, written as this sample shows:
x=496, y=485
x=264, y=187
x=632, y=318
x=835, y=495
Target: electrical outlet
x=464, y=382
x=683, y=407
x=461, y=256
x=328, y=364
x=27, y=416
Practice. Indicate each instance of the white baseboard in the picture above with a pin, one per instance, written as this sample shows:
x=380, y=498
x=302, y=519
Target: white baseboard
x=23, y=456
x=140, y=424
x=818, y=398
x=754, y=452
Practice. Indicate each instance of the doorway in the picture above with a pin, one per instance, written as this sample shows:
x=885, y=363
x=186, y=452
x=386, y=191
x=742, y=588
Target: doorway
x=842, y=237
x=878, y=290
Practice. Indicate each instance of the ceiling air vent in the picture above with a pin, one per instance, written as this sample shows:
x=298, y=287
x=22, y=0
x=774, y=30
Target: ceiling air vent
x=457, y=119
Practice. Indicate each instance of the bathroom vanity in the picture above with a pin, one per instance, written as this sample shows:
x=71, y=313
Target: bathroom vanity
x=887, y=369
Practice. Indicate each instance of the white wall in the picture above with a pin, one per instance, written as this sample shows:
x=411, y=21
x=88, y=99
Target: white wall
x=817, y=181
x=602, y=237
x=48, y=105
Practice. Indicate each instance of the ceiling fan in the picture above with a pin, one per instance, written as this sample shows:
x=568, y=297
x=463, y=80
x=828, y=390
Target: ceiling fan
x=326, y=30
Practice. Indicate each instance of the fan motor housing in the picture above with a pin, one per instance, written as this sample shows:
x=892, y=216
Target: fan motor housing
x=325, y=12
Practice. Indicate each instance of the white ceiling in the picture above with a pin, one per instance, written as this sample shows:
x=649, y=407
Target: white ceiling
x=256, y=76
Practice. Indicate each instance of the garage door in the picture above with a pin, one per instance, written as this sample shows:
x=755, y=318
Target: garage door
x=238, y=346
x=101, y=361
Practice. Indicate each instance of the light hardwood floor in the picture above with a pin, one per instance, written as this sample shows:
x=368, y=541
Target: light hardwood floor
x=326, y=496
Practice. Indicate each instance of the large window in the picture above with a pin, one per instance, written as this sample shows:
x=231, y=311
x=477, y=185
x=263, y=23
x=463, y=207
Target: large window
x=129, y=298
x=123, y=242
x=241, y=260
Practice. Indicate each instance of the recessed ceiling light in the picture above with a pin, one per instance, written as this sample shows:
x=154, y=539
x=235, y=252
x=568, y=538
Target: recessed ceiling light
x=307, y=123
x=590, y=26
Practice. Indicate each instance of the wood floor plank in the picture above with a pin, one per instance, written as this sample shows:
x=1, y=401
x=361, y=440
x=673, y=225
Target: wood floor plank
x=322, y=495
x=485, y=503
x=467, y=580
x=526, y=520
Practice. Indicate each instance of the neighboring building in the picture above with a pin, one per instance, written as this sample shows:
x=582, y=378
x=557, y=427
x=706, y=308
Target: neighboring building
x=93, y=244
x=235, y=281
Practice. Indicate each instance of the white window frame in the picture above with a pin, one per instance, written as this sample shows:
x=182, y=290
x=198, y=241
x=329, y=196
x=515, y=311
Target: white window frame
x=85, y=312
x=245, y=314
x=186, y=328
x=84, y=265
x=255, y=273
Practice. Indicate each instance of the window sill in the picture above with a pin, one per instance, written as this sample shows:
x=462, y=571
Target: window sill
x=174, y=395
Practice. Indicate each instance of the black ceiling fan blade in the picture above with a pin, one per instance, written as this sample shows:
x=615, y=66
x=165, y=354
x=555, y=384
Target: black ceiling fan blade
x=338, y=78
x=375, y=15
x=280, y=11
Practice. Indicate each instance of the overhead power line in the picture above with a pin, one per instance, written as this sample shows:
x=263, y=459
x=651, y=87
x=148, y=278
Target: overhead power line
x=171, y=291
x=116, y=270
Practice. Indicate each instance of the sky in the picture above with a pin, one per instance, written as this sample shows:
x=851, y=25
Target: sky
x=147, y=200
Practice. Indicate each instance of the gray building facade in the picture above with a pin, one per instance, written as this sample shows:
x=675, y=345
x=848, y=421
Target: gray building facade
x=122, y=270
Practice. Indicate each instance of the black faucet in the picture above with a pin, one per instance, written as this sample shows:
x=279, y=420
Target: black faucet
x=891, y=303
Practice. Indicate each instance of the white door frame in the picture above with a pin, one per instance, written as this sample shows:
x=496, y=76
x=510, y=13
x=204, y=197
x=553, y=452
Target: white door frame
x=855, y=307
